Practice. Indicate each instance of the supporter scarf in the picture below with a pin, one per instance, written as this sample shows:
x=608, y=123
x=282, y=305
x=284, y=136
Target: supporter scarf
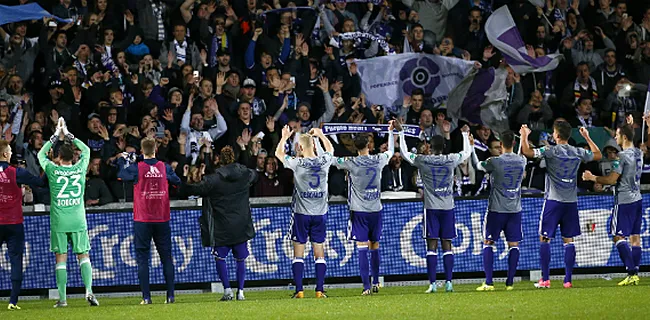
x=181, y=50
x=359, y=37
x=217, y=42
x=576, y=90
x=259, y=106
x=480, y=145
x=315, y=33
x=336, y=128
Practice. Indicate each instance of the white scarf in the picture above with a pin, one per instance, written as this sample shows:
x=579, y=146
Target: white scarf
x=181, y=50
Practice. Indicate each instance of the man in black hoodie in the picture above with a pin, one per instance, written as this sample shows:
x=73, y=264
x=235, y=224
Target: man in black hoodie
x=226, y=222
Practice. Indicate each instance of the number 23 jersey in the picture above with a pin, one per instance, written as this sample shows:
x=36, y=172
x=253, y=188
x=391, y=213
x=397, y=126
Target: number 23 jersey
x=437, y=173
x=562, y=165
x=310, y=183
x=67, y=189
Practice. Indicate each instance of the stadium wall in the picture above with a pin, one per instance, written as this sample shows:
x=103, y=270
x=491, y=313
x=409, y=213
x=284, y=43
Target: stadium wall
x=403, y=250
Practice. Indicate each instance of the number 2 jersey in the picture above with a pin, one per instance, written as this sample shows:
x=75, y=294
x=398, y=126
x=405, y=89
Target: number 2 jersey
x=630, y=166
x=506, y=173
x=310, y=183
x=67, y=189
x=364, y=181
x=562, y=165
x=437, y=173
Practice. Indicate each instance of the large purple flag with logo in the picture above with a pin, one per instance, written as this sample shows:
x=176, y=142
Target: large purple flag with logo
x=480, y=98
x=502, y=32
x=386, y=80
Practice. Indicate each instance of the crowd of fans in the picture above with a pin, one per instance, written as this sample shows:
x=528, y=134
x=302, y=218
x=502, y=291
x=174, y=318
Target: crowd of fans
x=199, y=75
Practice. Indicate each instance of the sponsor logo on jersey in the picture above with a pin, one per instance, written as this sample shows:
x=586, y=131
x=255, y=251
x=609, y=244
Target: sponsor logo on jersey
x=153, y=173
x=3, y=176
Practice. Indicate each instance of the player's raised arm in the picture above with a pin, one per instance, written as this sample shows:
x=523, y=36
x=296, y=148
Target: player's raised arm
x=467, y=148
x=329, y=148
x=526, y=150
x=404, y=150
x=45, y=149
x=391, y=140
x=477, y=164
x=319, y=147
x=597, y=155
x=279, y=150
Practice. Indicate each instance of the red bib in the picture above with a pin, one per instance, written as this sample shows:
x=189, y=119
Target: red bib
x=11, y=197
x=151, y=193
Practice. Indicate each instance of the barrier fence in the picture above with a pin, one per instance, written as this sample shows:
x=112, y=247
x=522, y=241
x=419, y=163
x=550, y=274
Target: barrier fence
x=402, y=247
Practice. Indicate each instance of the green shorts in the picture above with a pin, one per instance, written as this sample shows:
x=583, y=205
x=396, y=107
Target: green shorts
x=79, y=240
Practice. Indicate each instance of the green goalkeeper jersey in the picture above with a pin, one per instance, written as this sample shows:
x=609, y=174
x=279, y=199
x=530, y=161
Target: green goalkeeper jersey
x=67, y=188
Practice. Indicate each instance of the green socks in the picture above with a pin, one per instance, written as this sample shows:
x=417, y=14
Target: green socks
x=61, y=279
x=86, y=274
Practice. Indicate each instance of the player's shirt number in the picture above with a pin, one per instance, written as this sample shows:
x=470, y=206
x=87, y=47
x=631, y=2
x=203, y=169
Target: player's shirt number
x=72, y=182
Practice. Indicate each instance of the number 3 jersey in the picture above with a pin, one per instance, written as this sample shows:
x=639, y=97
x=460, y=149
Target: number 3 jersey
x=364, y=181
x=506, y=173
x=310, y=183
x=67, y=189
x=437, y=173
x=562, y=164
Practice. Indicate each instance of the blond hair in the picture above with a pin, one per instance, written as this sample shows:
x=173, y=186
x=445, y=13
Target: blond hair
x=306, y=141
x=3, y=146
x=148, y=146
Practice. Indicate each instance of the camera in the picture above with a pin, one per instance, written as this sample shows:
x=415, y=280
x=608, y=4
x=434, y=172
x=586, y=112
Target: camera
x=380, y=107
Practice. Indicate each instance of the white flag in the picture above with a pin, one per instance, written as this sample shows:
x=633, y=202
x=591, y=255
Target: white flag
x=502, y=32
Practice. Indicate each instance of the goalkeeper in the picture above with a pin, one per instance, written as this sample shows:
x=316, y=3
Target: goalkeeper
x=67, y=212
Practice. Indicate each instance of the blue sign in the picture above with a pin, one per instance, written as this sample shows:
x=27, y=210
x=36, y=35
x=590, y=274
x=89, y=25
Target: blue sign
x=402, y=246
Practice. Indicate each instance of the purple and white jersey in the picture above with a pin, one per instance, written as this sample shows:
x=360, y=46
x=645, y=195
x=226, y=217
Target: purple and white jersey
x=506, y=173
x=364, y=181
x=630, y=166
x=310, y=183
x=437, y=172
x=562, y=164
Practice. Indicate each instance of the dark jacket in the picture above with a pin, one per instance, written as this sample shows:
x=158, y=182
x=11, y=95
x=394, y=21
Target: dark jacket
x=226, y=218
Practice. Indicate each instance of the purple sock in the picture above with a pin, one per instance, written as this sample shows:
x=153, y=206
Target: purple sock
x=545, y=259
x=569, y=261
x=513, y=260
x=364, y=267
x=241, y=274
x=488, y=263
x=374, y=265
x=298, y=267
x=625, y=253
x=321, y=269
x=432, y=264
x=636, y=257
x=448, y=260
x=222, y=271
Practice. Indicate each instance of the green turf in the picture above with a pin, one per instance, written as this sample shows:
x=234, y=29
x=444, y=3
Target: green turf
x=589, y=299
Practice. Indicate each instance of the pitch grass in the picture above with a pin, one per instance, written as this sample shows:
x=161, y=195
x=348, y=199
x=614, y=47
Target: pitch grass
x=589, y=299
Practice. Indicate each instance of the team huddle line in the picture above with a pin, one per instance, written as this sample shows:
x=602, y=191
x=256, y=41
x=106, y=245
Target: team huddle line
x=227, y=223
